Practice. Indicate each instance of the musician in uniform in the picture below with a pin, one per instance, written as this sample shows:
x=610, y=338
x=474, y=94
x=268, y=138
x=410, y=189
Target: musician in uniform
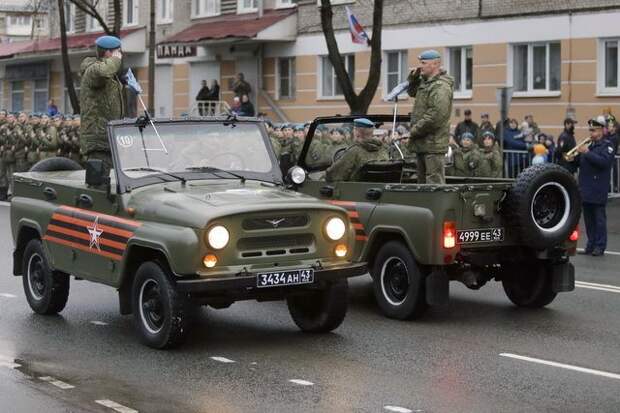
x=595, y=160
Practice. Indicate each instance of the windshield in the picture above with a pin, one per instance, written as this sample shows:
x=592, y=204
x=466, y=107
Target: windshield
x=190, y=149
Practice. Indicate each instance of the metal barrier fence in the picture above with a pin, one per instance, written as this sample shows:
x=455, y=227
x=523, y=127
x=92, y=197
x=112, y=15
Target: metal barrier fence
x=516, y=161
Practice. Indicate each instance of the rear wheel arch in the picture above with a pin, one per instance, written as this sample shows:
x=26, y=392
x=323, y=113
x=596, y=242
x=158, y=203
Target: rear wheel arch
x=381, y=236
x=136, y=256
x=25, y=234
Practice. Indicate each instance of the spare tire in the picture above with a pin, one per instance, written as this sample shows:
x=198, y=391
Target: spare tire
x=56, y=164
x=544, y=205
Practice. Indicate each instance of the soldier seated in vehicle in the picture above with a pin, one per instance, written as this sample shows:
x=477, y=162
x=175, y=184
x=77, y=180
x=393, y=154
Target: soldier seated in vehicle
x=366, y=148
x=491, y=155
x=467, y=159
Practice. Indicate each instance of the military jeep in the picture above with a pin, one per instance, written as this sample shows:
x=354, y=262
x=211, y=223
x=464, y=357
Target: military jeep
x=417, y=238
x=193, y=213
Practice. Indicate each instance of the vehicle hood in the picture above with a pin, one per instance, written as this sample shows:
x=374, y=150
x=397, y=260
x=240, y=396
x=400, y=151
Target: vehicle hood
x=197, y=203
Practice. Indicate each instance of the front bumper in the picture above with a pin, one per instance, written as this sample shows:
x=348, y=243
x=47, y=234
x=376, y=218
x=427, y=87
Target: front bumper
x=247, y=282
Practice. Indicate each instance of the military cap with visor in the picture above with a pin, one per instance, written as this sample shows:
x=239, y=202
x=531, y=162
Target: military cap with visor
x=596, y=123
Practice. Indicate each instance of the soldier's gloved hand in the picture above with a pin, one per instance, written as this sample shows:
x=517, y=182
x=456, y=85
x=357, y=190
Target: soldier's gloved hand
x=414, y=79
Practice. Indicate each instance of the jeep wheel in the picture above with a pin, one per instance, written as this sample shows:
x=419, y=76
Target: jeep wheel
x=47, y=291
x=320, y=311
x=161, y=314
x=398, y=282
x=529, y=286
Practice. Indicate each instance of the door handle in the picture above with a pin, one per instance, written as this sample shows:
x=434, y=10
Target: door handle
x=373, y=194
x=49, y=193
x=85, y=201
x=327, y=191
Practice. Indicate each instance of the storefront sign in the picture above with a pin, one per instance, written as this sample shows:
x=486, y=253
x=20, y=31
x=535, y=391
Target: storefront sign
x=170, y=51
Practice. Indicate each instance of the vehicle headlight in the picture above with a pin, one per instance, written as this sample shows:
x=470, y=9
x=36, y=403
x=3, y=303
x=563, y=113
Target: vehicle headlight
x=218, y=237
x=335, y=228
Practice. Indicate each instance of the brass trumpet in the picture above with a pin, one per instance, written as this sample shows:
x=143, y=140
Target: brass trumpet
x=572, y=154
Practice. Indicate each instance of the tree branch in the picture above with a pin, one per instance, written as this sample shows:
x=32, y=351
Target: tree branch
x=374, y=73
x=91, y=9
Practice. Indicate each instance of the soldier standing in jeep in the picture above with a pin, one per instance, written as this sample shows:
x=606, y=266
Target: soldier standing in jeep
x=101, y=98
x=432, y=89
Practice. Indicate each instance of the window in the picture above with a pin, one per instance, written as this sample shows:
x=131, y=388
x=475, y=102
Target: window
x=608, y=68
x=206, y=8
x=132, y=8
x=329, y=82
x=536, y=68
x=93, y=24
x=460, y=67
x=164, y=11
x=247, y=6
x=286, y=78
x=396, y=69
x=284, y=3
x=20, y=20
x=17, y=96
x=70, y=16
x=40, y=95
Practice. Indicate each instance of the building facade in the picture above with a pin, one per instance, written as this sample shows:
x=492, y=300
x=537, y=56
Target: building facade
x=559, y=58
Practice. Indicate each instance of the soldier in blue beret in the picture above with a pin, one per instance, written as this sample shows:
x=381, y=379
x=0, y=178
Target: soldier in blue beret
x=101, y=98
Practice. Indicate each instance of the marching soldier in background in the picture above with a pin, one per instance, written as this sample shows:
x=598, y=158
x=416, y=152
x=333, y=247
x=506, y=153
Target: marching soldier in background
x=101, y=98
x=491, y=155
x=21, y=139
x=8, y=155
x=48, y=138
x=432, y=89
x=365, y=149
x=32, y=131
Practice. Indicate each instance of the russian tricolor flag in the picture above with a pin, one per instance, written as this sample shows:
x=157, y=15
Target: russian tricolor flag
x=358, y=35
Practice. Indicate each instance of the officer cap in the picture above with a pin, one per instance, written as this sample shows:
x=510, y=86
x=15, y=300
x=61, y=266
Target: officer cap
x=108, y=42
x=488, y=134
x=596, y=123
x=429, y=55
x=467, y=135
x=363, y=123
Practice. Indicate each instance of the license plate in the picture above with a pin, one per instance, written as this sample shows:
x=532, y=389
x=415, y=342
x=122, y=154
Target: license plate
x=283, y=278
x=473, y=236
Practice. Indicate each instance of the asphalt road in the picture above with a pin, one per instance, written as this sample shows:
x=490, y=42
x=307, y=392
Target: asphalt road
x=465, y=357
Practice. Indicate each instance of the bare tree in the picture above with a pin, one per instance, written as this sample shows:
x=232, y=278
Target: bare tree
x=75, y=103
x=90, y=8
x=358, y=104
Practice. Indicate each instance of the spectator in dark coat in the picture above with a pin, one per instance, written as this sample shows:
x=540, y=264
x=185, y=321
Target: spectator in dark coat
x=214, y=92
x=247, y=108
x=202, y=95
x=513, y=141
x=467, y=125
x=241, y=87
x=566, y=142
x=52, y=109
x=595, y=163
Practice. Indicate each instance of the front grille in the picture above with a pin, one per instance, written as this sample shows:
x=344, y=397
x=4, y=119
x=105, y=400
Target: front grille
x=275, y=222
x=275, y=245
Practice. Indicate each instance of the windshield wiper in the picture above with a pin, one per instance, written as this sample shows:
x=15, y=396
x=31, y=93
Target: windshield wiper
x=215, y=171
x=161, y=171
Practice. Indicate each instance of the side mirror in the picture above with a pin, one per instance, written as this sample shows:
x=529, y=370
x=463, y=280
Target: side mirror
x=295, y=176
x=96, y=173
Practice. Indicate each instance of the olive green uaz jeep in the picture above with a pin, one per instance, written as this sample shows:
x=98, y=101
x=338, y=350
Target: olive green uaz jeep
x=417, y=238
x=194, y=215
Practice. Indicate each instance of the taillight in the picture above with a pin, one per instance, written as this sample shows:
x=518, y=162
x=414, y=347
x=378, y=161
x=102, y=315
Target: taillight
x=574, y=236
x=449, y=234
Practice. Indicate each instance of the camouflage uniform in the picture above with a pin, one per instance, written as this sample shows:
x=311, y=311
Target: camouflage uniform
x=349, y=166
x=469, y=162
x=101, y=100
x=48, y=141
x=21, y=141
x=493, y=160
x=8, y=154
x=34, y=152
x=430, y=124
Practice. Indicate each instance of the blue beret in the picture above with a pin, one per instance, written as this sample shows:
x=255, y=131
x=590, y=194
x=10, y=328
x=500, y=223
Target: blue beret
x=108, y=42
x=488, y=134
x=429, y=55
x=467, y=135
x=363, y=123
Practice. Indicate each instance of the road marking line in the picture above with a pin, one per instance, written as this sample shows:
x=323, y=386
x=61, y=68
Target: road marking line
x=7, y=295
x=614, y=287
x=115, y=406
x=606, y=252
x=222, y=359
x=302, y=382
x=563, y=366
x=9, y=364
x=4, y=203
x=594, y=287
x=397, y=409
x=60, y=384
x=99, y=323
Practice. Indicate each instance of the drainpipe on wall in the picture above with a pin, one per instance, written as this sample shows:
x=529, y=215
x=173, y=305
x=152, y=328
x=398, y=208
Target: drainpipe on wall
x=259, y=5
